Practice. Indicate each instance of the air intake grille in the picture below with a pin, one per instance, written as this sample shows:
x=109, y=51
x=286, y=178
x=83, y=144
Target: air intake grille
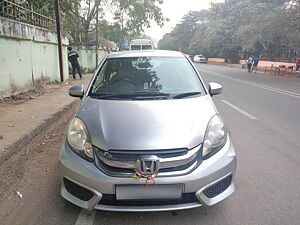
x=218, y=188
x=77, y=190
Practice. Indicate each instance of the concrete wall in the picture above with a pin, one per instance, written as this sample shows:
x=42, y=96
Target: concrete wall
x=87, y=57
x=28, y=57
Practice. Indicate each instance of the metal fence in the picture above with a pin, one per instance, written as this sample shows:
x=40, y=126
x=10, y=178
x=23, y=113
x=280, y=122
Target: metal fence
x=22, y=11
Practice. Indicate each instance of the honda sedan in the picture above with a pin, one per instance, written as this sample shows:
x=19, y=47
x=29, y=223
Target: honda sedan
x=147, y=137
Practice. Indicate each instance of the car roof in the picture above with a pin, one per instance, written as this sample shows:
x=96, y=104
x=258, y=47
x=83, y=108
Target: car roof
x=141, y=41
x=145, y=53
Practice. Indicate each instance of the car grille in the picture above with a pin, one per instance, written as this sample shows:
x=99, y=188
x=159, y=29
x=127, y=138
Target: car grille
x=110, y=199
x=122, y=163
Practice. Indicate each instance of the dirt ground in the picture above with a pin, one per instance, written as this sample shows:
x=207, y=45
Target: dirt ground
x=34, y=174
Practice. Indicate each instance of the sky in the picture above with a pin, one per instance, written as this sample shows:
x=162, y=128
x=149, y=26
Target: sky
x=175, y=10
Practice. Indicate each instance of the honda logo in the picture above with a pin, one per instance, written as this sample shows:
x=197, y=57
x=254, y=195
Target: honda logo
x=148, y=165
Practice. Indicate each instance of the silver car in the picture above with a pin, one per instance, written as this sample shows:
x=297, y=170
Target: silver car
x=147, y=137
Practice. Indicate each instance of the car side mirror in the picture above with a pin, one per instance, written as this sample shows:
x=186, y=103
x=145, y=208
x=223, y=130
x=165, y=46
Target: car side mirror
x=215, y=88
x=76, y=91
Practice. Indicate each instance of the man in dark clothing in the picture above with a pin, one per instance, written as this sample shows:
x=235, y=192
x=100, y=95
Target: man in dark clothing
x=255, y=64
x=72, y=57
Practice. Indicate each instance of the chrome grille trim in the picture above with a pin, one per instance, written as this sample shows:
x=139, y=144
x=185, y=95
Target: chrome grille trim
x=113, y=163
x=164, y=162
x=123, y=168
x=179, y=172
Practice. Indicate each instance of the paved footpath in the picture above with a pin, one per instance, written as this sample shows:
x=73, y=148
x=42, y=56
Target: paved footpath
x=19, y=124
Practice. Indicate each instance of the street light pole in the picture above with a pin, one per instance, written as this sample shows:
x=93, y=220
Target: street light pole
x=59, y=40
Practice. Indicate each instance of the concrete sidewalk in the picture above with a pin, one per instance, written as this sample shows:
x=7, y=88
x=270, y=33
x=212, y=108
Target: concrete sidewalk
x=21, y=123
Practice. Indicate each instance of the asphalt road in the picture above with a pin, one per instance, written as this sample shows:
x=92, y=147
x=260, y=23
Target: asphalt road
x=262, y=113
x=267, y=144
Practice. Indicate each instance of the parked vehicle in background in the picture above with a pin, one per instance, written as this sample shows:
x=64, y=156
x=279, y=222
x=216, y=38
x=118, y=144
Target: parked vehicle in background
x=199, y=58
x=141, y=44
x=147, y=137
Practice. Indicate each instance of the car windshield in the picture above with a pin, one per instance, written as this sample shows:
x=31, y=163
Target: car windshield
x=155, y=76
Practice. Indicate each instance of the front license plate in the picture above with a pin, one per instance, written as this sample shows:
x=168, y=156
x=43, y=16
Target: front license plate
x=143, y=192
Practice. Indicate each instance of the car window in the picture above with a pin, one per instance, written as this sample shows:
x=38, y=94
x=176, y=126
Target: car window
x=135, y=47
x=161, y=74
x=146, y=47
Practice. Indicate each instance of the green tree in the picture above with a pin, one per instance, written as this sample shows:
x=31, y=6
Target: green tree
x=235, y=29
x=168, y=42
x=179, y=39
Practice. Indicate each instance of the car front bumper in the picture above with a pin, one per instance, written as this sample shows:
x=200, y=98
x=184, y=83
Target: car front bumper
x=210, y=172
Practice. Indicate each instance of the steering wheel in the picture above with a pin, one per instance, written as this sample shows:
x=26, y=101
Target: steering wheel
x=126, y=79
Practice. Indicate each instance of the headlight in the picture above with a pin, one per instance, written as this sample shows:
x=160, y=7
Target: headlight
x=215, y=137
x=79, y=139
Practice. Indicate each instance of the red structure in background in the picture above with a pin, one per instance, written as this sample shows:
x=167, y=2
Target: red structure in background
x=278, y=71
x=282, y=70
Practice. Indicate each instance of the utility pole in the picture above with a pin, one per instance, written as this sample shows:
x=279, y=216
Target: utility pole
x=59, y=38
x=97, y=35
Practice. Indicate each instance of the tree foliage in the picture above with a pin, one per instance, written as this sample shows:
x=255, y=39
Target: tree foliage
x=182, y=34
x=235, y=29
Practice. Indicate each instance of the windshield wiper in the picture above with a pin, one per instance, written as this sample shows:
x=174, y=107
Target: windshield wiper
x=187, y=94
x=148, y=93
x=130, y=95
x=107, y=95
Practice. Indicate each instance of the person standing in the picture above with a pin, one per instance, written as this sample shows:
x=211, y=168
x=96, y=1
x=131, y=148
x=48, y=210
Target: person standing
x=255, y=64
x=297, y=63
x=72, y=57
x=250, y=62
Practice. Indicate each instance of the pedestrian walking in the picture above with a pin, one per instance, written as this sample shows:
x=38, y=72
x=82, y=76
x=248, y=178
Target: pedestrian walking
x=250, y=62
x=255, y=64
x=297, y=63
x=72, y=57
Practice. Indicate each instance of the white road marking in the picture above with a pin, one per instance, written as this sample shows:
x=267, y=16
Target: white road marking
x=86, y=217
x=266, y=87
x=280, y=91
x=240, y=110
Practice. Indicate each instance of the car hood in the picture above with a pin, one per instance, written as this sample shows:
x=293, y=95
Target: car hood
x=147, y=124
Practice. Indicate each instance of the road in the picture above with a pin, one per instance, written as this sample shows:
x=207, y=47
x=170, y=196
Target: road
x=263, y=115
